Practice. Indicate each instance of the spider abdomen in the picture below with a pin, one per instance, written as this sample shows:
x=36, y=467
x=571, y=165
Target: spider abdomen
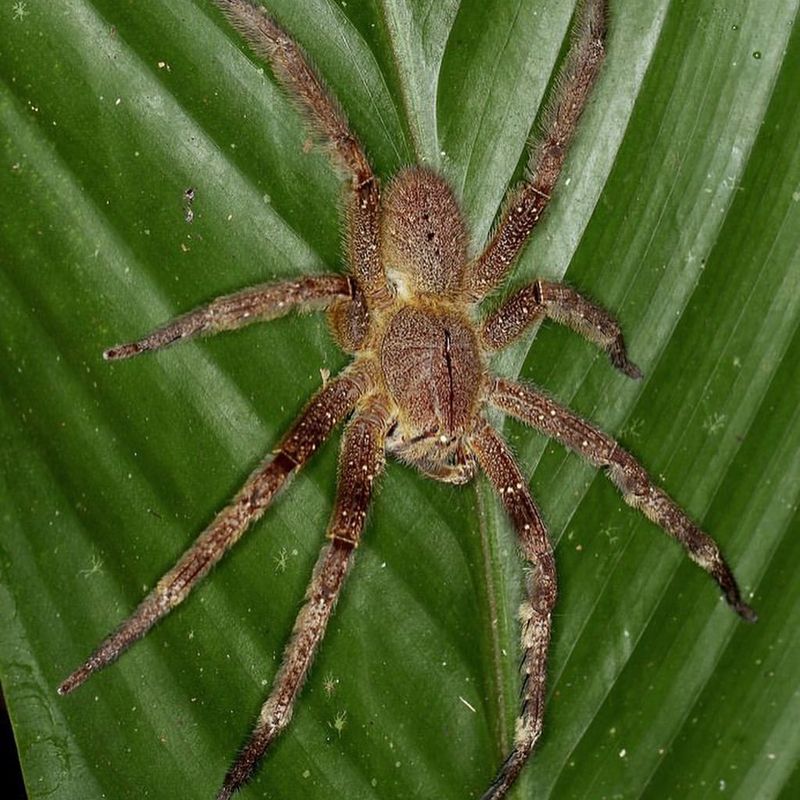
x=423, y=234
x=431, y=365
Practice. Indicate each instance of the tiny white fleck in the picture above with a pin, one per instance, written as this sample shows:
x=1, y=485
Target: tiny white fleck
x=339, y=721
x=468, y=705
x=715, y=423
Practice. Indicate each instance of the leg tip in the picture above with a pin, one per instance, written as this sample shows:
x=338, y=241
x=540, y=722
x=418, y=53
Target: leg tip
x=632, y=371
x=76, y=679
x=66, y=686
x=122, y=351
x=619, y=359
x=230, y=785
x=746, y=612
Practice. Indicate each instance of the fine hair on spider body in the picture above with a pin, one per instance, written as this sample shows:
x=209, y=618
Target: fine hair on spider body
x=419, y=382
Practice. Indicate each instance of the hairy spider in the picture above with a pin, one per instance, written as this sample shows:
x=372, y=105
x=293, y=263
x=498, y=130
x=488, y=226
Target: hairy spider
x=408, y=310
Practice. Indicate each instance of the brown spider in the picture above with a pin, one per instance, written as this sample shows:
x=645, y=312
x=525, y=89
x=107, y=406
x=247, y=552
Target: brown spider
x=408, y=311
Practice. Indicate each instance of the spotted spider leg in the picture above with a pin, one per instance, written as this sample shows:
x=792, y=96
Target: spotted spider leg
x=309, y=431
x=562, y=304
x=525, y=205
x=638, y=490
x=498, y=463
x=255, y=304
x=360, y=463
x=291, y=67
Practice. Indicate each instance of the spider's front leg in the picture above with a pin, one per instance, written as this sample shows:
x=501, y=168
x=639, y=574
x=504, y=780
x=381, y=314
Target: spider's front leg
x=526, y=204
x=638, y=490
x=314, y=425
x=360, y=463
x=562, y=304
x=498, y=463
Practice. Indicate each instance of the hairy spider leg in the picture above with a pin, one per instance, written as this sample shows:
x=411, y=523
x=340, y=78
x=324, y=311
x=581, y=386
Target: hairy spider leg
x=361, y=462
x=638, y=490
x=498, y=463
x=525, y=205
x=255, y=304
x=316, y=422
x=562, y=304
x=292, y=68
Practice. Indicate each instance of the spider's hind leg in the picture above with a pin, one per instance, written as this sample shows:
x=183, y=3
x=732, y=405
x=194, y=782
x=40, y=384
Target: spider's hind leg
x=360, y=463
x=525, y=205
x=298, y=77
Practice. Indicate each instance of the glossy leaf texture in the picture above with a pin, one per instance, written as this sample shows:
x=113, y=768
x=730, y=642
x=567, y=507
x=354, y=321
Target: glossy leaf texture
x=679, y=209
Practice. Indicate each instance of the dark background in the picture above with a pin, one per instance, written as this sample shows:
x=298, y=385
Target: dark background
x=9, y=758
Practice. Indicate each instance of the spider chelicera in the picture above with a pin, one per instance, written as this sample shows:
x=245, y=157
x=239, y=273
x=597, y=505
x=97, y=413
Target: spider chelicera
x=408, y=310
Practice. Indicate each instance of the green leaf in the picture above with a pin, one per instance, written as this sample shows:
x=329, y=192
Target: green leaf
x=679, y=209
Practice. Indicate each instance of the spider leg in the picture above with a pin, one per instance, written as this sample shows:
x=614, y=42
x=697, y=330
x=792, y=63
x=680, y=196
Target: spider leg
x=638, y=490
x=360, y=463
x=313, y=426
x=291, y=67
x=526, y=204
x=562, y=304
x=256, y=304
x=498, y=463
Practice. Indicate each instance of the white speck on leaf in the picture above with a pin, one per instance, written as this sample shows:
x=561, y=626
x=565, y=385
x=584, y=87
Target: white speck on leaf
x=280, y=560
x=95, y=567
x=339, y=722
x=467, y=704
x=715, y=423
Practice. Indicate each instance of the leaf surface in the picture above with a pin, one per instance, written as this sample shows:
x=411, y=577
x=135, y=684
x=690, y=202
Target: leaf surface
x=679, y=208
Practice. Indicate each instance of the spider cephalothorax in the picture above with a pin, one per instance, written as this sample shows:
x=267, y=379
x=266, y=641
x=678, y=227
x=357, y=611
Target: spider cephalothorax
x=408, y=310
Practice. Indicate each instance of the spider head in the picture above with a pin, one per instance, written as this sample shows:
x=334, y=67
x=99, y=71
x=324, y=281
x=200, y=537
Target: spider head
x=432, y=370
x=435, y=454
x=423, y=234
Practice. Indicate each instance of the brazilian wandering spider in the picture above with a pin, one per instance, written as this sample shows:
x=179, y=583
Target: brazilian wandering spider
x=408, y=311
